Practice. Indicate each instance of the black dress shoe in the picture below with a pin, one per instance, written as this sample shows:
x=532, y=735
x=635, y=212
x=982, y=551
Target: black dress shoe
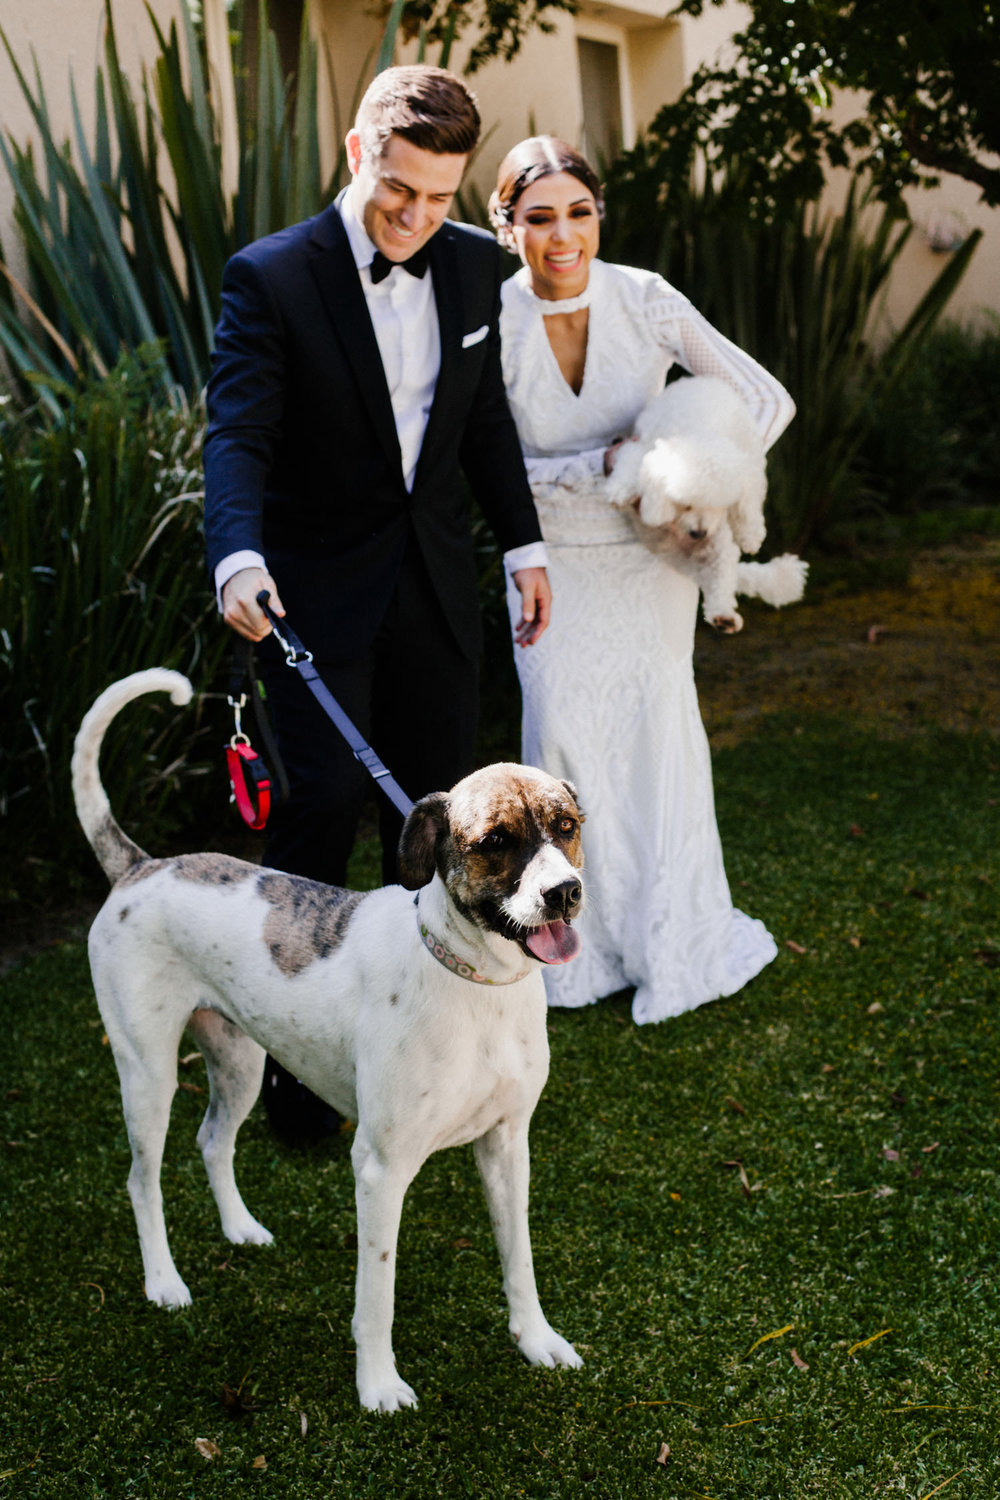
x=298, y=1116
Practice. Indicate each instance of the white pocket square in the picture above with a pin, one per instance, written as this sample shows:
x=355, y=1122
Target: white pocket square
x=475, y=338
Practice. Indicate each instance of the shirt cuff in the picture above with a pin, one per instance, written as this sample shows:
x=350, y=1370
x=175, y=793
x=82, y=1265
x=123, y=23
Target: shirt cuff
x=234, y=563
x=532, y=555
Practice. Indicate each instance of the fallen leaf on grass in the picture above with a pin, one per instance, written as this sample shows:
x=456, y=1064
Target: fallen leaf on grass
x=883, y=1192
x=899, y=1100
x=863, y=1343
x=856, y=831
x=190, y=1088
x=735, y=1104
x=207, y=1448
x=260, y=1462
x=795, y=947
x=938, y=1488
x=303, y=1423
x=828, y=1068
x=236, y=1404
x=932, y=1147
x=855, y=942
x=873, y=632
x=876, y=1008
x=188, y=1059
x=798, y=1361
x=917, y=894
x=890, y=1154
x=663, y=1454
x=766, y=1338
x=744, y=1180
x=461, y=1244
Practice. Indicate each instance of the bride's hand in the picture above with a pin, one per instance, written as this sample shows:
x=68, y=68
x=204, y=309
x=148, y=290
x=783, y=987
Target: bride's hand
x=610, y=454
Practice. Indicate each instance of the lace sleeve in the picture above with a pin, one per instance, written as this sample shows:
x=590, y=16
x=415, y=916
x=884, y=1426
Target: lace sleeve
x=681, y=330
x=580, y=472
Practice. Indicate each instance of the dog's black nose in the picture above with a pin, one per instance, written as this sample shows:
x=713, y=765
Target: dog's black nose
x=699, y=535
x=565, y=898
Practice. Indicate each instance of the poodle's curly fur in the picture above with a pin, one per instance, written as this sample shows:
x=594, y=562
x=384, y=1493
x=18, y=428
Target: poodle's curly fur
x=693, y=478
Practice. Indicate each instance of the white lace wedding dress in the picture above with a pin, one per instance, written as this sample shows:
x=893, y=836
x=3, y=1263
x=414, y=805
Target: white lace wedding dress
x=609, y=698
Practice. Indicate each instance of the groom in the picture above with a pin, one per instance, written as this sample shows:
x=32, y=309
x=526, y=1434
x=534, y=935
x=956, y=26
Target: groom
x=355, y=387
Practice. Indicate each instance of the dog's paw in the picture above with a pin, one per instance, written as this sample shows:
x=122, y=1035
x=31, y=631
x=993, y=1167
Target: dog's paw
x=543, y=1346
x=727, y=624
x=386, y=1394
x=168, y=1290
x=247, y=1231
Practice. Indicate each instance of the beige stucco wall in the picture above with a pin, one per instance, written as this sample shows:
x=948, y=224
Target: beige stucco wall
x=539, y=91
x=67, y=40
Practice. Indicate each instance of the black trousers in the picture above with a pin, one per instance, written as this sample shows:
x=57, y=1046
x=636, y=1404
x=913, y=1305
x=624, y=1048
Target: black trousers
x=414, y=697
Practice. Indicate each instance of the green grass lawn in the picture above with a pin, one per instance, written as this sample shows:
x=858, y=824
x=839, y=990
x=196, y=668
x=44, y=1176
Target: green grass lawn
x=771, y=1227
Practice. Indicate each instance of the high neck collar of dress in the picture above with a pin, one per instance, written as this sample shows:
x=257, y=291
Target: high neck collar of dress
x=551, y=308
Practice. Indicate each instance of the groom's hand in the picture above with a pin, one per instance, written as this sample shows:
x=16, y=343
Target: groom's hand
x=239, y=603
x=536, y=604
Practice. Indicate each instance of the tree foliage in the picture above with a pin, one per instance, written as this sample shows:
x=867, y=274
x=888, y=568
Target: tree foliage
x=501, y=25
x=927, y=78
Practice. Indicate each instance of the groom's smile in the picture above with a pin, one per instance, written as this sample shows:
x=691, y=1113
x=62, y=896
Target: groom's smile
x=402, y=197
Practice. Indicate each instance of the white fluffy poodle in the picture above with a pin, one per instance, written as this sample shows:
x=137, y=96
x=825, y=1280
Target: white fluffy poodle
x=693, y=478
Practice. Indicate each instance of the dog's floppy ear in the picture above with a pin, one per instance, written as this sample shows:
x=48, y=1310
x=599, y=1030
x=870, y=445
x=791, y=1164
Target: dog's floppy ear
x=425, y=824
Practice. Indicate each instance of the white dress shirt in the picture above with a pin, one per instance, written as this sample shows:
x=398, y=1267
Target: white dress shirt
x=405, y=320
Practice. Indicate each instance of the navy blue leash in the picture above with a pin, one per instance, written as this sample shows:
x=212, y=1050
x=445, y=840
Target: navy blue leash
x=298, y=657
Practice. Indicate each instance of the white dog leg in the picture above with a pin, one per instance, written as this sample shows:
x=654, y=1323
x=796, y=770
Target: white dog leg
x=379, y=1190
x=503, y=1162
x=147, y=1093
x=718, y=582
x=235, y=1066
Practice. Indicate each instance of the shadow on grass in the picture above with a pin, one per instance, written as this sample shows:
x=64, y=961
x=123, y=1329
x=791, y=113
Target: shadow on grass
x=769, y=1225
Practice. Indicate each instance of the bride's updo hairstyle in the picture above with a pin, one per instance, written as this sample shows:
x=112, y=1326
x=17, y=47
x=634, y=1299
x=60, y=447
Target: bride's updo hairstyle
x=538, y=156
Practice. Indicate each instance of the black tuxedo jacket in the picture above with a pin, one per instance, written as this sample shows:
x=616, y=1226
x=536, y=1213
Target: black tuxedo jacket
x=302, y=462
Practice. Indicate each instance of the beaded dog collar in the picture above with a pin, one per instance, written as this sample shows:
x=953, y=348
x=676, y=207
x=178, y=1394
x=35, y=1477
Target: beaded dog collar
x=457, y=965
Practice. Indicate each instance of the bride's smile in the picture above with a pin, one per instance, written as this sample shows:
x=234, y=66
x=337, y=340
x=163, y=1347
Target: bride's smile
x=556, y=230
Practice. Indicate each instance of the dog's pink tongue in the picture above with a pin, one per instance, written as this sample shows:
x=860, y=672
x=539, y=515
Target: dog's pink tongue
x=555, y=943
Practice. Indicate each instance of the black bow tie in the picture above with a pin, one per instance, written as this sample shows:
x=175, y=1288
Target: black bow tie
x=416, y=265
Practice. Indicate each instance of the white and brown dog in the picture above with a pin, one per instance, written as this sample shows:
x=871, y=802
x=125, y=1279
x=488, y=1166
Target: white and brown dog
x=420, y=1018
x=694, y=482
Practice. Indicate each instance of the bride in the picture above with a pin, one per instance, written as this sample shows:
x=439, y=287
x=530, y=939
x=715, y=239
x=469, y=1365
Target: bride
x=608, y=692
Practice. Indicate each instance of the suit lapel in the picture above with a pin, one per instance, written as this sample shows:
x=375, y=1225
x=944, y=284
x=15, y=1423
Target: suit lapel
x=336, y=275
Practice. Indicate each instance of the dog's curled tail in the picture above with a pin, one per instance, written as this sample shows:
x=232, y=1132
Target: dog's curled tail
x=115, y=850
x=780, y=581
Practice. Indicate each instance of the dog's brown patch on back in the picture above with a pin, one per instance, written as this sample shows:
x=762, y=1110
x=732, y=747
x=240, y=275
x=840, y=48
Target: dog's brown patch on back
x=205, y=869
x=140, y=871
x=212, y=869
x=307, y=920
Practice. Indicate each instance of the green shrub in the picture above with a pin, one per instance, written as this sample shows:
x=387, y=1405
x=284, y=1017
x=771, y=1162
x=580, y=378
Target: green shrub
x=101, y=556
x=115, y=259
x=936, y=441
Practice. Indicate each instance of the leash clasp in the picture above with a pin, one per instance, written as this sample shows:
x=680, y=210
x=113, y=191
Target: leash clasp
x=295, y=652
x=238, y=705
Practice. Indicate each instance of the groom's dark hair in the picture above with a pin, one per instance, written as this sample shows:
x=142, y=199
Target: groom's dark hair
x=427, y=106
